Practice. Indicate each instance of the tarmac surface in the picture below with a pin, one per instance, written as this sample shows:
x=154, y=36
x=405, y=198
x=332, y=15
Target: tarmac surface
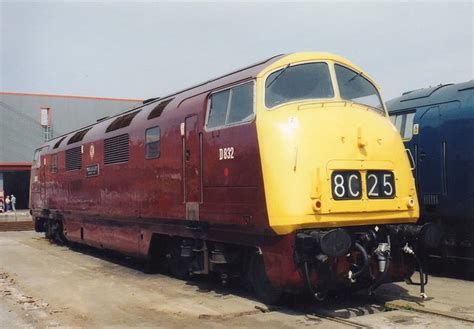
x=45, y=285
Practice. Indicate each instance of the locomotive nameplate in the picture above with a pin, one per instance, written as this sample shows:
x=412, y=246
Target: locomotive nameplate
x=92, y=170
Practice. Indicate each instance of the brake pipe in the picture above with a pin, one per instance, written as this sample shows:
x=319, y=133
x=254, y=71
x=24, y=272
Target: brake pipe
x=319, y=296
x=366, y=260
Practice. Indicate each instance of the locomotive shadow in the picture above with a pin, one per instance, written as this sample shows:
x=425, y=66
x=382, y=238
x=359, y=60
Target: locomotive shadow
x=462, y=269
x=347, y=304
x=203, y=284
x=342, y=304
x=107, y=255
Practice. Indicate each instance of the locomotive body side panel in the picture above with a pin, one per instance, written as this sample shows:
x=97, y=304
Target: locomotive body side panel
x=441, y=141
x=154, y=194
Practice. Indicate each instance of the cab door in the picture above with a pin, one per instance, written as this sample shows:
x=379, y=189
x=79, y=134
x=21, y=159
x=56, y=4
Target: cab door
x=430, y=157
x=192, y=167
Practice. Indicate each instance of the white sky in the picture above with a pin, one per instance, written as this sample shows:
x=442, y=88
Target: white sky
x=147, y=49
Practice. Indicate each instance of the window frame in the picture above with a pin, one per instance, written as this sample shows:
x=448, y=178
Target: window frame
x=208, y=107
x=335, y=87
x=412, y=124
x=159, y=140
x=382, y=111
x=37, y=162
x=403, y=124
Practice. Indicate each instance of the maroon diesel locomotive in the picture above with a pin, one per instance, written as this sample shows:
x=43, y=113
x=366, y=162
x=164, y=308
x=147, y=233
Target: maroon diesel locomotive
x=287, y=174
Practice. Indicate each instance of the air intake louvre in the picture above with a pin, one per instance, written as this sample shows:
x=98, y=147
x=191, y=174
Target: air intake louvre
x=116, y=149
x=121, y=122
x=73, y=158
x=59, y=142
x=159, y=109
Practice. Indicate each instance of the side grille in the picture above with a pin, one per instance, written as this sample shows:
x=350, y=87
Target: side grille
x=116, y=149
x=430, y=199
x=73, y=158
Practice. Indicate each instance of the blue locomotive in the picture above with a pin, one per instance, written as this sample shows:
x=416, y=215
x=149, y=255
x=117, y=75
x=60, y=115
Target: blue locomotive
x=437, y=126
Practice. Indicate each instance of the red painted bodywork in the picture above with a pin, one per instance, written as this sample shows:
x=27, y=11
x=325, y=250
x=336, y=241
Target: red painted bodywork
x=143, y=195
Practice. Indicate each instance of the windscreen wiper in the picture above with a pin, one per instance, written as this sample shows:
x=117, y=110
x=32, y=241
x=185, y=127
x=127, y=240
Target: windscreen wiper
x=277, y=76
x=355, y=76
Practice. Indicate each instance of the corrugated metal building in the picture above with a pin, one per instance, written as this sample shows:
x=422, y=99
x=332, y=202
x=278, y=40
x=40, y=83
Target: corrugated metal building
x=21, y=131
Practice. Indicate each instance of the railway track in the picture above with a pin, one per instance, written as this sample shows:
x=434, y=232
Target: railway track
x=392, y=314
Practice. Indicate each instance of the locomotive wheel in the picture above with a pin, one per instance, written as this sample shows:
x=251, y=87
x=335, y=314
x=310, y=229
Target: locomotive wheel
x=261, y=284
x=48, y=230
x=58, y=232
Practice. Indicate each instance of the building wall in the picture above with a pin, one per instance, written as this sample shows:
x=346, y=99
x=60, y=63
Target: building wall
x=20, y=130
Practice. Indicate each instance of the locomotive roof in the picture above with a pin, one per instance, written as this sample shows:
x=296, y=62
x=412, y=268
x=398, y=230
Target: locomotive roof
x=427, y=96
x=245, y=72
x=242, y=74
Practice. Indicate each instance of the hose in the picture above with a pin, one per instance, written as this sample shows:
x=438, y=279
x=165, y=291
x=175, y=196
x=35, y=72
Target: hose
x=319, y=296
x=366, y=260
x=382, y=277
x=422, y=281
x=423, y=278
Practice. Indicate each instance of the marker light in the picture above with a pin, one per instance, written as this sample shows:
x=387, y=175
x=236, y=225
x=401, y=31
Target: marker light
x=317, y=205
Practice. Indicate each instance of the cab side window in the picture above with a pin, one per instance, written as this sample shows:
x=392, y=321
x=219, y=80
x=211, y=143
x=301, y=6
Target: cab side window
x=404, y=124
x=36, y=159
x=231, y=106
x=152, y=140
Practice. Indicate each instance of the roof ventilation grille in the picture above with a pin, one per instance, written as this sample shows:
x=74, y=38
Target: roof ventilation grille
x=159, y=109
x=77, y=137
x=59, y=142
x=121, y=122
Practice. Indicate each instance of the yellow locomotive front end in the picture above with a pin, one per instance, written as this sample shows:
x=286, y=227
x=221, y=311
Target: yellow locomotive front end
x=330, y=156
x=338, y=182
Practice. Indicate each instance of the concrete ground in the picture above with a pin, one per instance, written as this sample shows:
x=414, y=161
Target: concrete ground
x=45, y=285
